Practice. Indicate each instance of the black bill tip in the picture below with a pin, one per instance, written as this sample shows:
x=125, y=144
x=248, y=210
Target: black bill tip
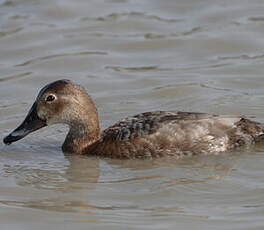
x=7, y=140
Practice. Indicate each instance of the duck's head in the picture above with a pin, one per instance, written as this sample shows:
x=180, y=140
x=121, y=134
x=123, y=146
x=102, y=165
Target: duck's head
x=61, y=101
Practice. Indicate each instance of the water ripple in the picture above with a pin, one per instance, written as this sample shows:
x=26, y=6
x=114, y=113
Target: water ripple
x=215, y=88
x=116, y=16
x=184, y=33
x=15, y=76
x=131, y=179
x=177, y=181
x=242, y=57
x=256, y=19
x=81, y=207
x=9, y=32
x=203, y=66
x=8, y=3
x=32, y=61
x=137, y=69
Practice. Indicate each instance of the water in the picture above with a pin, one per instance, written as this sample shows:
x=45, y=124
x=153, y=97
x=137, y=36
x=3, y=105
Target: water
x=131, y=56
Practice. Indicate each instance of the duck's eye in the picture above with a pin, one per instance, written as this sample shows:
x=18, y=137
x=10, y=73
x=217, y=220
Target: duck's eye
x=50, y=98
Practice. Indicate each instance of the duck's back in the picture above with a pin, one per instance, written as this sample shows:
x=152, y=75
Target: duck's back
x=160, y=133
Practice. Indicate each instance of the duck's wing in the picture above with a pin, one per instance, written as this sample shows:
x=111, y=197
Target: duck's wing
x=150, y=122
x=174, y=133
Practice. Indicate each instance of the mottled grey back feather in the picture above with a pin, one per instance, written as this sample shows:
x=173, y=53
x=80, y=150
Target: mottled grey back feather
x=148, y=123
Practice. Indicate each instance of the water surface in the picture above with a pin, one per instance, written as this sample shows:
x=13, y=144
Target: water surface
x=131, y=56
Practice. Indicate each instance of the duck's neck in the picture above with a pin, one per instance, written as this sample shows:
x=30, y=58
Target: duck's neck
x=81, y=135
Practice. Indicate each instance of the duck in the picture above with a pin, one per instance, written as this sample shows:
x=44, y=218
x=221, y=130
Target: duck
x=145, y=135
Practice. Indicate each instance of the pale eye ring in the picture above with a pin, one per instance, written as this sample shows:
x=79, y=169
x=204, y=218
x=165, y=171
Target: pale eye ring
x=50, y=98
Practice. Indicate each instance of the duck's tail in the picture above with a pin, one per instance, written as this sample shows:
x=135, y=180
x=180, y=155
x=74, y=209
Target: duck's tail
x=251, y=130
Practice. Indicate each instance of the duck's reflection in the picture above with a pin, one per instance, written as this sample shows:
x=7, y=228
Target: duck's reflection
x=56, y=185
x=82, y=169
x=77, y=184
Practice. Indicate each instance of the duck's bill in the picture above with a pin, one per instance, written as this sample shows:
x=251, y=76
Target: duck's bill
x=31, y=123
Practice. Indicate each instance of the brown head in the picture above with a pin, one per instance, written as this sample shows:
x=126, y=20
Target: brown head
x=64, y=102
